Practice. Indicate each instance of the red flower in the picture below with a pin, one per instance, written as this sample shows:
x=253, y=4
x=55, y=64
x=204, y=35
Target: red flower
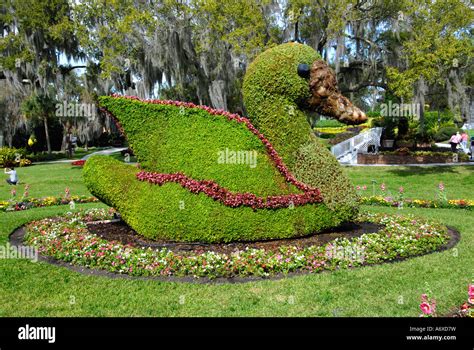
x=80, y=162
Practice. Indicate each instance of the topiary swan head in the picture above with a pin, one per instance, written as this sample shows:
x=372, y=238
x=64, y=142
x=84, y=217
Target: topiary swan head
x=288, y=78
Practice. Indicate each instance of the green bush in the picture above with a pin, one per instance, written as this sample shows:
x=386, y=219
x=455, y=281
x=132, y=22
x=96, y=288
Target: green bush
x=373, y=114
x=445, y=133
x=170, y=139
x=329, y=123
x=272, y=90
x=11, y=157
x=342, y=137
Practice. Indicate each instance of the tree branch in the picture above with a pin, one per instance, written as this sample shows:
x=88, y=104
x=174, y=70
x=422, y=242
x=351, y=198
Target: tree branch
x=364, y=85
x=367, y=41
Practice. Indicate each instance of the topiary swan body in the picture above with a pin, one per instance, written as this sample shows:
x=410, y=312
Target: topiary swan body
x=212, y=176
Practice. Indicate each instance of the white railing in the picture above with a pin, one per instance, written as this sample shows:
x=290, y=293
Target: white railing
x=346, y=151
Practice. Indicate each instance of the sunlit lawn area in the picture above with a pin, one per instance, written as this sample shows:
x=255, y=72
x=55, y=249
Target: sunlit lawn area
x=418, y=182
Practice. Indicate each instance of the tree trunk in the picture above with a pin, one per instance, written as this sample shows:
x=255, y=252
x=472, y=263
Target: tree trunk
x=46, y=132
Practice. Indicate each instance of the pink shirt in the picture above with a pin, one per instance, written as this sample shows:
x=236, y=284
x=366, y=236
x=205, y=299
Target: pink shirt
x=455, y=139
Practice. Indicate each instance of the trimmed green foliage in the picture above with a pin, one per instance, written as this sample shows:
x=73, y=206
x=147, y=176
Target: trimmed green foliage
x=272, y=90
x=172, y=212
x=9, y=156
x=170, y=139
x=329, y=123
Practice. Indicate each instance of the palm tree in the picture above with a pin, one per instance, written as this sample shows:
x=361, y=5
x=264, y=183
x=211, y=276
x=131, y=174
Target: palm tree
x=39, y=108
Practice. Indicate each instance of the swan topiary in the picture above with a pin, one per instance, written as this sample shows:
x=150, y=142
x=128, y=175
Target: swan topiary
x=212, y=176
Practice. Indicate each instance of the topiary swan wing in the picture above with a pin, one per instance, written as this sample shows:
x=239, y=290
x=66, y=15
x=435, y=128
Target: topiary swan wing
x=192, y=185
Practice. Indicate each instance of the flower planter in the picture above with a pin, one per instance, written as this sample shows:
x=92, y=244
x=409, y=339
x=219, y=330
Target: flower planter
x=388, y=143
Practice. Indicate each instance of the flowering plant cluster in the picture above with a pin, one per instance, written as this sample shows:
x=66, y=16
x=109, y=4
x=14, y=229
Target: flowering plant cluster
x=467, y=308
x=79, y=162
x=68, y=239
x=29, y=203
x=418, y=203
x=427, y=306
x=216, y=192
x=399, y=200
x=230, y=116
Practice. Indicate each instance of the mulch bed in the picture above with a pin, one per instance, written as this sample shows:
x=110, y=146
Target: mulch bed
x=120, y=231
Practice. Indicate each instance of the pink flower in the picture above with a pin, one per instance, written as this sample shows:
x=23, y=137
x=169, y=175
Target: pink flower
x=471, y=294
x=401, y=189
x=382, y=186
x=13, y=192
x=358, y=188
x=364, y=187
x=441, y=186
x=426, y=308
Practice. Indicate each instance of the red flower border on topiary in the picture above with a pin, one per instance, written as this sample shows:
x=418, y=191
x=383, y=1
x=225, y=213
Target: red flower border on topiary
x=230, y=199
x=212, y=189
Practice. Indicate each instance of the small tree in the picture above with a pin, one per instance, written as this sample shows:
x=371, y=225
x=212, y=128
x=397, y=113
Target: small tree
x=39, y=108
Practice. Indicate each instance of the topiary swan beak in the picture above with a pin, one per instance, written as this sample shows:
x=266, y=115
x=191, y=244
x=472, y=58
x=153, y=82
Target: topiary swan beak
x=325, y=95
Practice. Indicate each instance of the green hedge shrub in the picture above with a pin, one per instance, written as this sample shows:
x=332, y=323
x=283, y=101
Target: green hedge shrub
x=445, y=133
x=10, y=157
x=170, y=139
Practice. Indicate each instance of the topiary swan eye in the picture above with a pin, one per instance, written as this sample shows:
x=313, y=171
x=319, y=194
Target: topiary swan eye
x=303, y=70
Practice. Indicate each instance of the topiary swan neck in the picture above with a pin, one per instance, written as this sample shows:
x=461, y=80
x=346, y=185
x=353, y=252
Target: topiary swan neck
x=276, y=85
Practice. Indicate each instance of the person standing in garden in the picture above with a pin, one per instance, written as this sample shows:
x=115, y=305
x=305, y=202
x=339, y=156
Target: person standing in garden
x=464, y=138
x=454, y=141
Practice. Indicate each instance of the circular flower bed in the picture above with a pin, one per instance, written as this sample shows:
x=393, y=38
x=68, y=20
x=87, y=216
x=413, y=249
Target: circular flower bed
x=68, y=239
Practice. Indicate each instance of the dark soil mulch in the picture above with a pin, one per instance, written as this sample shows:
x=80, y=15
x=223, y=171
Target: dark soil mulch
x=119, y=231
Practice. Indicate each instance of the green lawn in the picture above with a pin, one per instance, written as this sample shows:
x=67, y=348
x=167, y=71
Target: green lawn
x=418, y=182
x=40, y=289
x=46, y=180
